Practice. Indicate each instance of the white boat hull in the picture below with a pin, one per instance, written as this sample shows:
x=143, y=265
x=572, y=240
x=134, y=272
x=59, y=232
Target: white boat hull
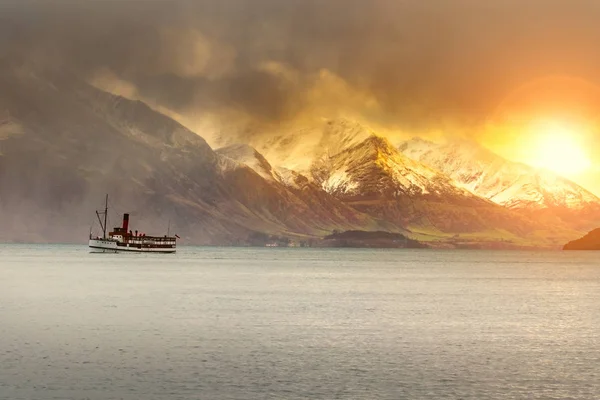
x=112, y=246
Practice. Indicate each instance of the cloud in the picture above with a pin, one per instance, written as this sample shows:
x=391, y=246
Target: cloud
x=411, y=65
x=186, y=53
x=105, y=79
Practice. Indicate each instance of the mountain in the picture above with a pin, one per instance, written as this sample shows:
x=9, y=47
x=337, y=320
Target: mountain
x=64, y=144
x=510, y=184
x=377, y=179
x=365, y=172
x=314, y=210
x=591, y=241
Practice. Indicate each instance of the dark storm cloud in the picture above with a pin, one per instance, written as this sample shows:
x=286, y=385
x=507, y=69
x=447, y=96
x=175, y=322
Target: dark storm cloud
x=422, y=62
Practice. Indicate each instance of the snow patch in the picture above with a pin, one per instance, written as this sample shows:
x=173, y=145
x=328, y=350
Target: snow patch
x=287, y=177
x=339, y=181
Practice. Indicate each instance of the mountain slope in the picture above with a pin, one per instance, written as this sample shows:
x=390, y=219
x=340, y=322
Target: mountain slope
x=64, y=144
x=513, y=185
x=313, y=208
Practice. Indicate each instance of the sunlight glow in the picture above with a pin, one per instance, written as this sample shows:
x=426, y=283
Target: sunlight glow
x=556, y=147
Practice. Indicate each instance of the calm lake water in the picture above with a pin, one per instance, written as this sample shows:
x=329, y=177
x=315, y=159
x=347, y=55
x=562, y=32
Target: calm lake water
x=224, y=323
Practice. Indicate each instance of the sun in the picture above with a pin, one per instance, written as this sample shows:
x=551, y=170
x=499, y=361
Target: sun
x=556, y=147
x=550, y=122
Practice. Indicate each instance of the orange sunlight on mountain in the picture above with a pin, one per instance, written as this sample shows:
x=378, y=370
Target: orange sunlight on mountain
x=556, y=147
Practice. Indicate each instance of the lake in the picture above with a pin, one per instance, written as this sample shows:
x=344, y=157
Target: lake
x=237, y=323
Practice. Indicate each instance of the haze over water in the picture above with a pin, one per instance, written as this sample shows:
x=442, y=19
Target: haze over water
x=227, y=323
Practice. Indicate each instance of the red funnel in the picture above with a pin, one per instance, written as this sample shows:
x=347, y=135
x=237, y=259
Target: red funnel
x=126, y=222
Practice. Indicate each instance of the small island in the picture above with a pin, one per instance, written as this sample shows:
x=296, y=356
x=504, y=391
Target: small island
x=591, y=241
x=365, y=239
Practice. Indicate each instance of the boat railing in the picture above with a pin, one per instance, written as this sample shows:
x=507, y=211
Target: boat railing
x=144, y=239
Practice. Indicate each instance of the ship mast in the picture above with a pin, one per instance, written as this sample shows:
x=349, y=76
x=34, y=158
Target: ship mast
x=103, y=225
x=105, y=215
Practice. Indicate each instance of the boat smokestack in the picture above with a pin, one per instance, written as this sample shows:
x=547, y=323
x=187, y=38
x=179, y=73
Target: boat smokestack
x=126, y=222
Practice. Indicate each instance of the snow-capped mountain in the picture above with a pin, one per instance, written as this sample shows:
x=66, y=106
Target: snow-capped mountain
x=375, y=168
x=375, y=178
x=510, y=184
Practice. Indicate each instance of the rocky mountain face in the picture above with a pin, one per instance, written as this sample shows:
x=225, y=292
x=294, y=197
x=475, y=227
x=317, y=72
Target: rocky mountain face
x=513, y=185
x=374, y=168
x=64, y=144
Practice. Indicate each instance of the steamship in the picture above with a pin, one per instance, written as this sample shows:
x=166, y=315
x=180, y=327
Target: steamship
x=122, y=239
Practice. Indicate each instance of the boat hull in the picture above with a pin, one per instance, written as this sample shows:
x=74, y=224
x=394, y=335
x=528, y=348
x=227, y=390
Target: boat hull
x=111, y=246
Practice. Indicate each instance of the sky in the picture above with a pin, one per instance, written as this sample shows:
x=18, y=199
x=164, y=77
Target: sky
x=513, y=75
